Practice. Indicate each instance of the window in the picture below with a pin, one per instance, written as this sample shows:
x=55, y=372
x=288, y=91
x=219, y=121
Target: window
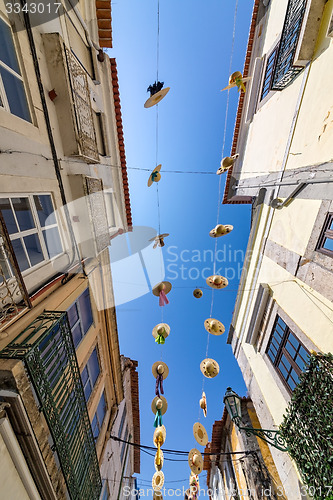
x=90, y=374
x=269, y=73
x=99, y=131
x=12, y=92
x=80, y=317
x=122, y=422
x=98, y=419
x=325, y=242
x=33, y=229
x=287, y=354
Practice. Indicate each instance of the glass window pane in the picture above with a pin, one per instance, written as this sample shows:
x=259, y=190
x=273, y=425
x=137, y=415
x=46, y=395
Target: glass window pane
x=77, y=335
x=285, y=362
x=20, y=255
x=303, y=353
x=93, y=365
x=72, y=315
x=45, y=209
x=7, y=48
x=52, y=241
x=23, y=213
x=8, y=215
x=291, y=349
x=85, y=311
x=328, y=244
x=87, y=390
x=4, y=264
x=283, y=370
x=331, y=224
x=94, y=426
x=16, y=96
x=293, y=340
x=84, y=375
x=34, y=249
x=291, y=384
x=101, y=410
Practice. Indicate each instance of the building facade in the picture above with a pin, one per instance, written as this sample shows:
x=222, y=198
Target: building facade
x=283, y=135
x=63, y=198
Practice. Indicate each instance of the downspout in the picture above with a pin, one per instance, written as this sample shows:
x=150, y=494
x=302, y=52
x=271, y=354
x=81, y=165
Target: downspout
x=123, y=469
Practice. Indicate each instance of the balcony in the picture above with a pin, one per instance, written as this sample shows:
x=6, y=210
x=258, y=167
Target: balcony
x=47, y=350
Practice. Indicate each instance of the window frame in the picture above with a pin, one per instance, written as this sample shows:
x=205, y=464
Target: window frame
x=99, y=424
x=324, y=234
x=38, y=230
x=281, y=350
x=262, y=100
x=3, y=95
x=89, y=379
x=79, y=320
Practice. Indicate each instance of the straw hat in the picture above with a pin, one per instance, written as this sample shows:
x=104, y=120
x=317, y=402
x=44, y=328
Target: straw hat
x=195, y=461
x=159, y=467
x=217, y=281
x=155, y=176
x=161, y=329
x=200, y=434
x=236, y=75
x=160, y=368
x=214, y=326
x=220, y=230
x=156, y=98
x=157, y=495
x=203, y=404
x=197, y=293
x=160, y=432
x=226, y=163
x=159, y=240
x=209, y=367
x=158, y=480
x=159, y=404
x=164, y=285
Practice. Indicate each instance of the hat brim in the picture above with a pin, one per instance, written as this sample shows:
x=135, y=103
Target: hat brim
x=164, y=406
x=210, y=282
x=157, y=288
x=197, y=469
x=203, y=368
x=163, y=430
x=156, y=169
x=158, y=480
x=230, y=86
x=166, y=330
x=154, y=369
x=156, y=98
x=222, y=170
x=197, y=430
x=221, y=328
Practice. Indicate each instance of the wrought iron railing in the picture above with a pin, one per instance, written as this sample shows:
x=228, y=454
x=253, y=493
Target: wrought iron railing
x=285, y=72
x=308, y=423
x=14, y=298
x=47, y=349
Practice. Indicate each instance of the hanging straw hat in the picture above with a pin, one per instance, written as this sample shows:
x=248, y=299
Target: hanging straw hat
x=155, y=176
x=220, y=230
x=159, y=467
x=209, y=367
x=159, y=404
x=200, y=434
x=158, y=480
x=226, y=163
x=163, y=286
x=203, y=404
x=159, y=240
x=162, y=329
x=217, y=281
x=195, y=461
x=236, y=80
x=160, y=368
x=157, y=495
x=197, y=293
x=156, y=98
x=214, y=326
x=160, y=432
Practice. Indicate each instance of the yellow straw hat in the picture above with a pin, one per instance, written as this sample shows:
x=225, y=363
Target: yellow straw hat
x=200, y=434
x=159, y=434
x=203, y=404
x=158, y=480
x=217, y=281
x=214, y=326
x=159, y=403
x=162, y=329
x=156, y=98
x=220, y=230
x=197, y=293
x=164, y=286
x=195, y=461
x=159, y=467
x=155, y=176
x=226, y=163
x=160, y=368
x=209, y=367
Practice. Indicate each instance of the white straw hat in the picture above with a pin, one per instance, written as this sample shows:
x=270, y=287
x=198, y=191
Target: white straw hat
x=159, y=433
x=195, y=461
x=158, y=480
x=209, y=367
x=220, y=230
x=214, y=326
x=156, y=98
x=200, y=434
x=216, y=281
x=160, y=368
x=162, y=329
x=203, y=404
x=226, y=163
x=159, y=403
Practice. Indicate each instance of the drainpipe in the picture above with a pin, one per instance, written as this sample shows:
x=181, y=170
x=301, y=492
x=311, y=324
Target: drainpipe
x=123, y=469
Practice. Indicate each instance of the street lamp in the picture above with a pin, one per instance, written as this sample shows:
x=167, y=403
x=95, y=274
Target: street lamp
x=233, y=405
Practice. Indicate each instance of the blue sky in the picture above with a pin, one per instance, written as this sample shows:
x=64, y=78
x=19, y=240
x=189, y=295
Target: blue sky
x=195, y=46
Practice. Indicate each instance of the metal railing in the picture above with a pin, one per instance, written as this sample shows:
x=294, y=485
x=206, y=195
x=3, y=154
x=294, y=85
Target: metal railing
x=47, y=349
x=285, y=72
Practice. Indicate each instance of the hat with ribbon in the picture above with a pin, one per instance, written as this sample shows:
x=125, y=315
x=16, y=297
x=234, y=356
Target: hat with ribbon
x=195, y=461
x=214, y=326
x=200, y=434
x=159, y=440
x=155, y=176
x=158, y=480
x=217, y=281
x=237, y=80
x=203, y=404
x=161, y=290
x=209, y=367
x=160, y=371
x=159, y=406
x=197, y=293
x=220, y=230
x=159, y=467
x=161, y=332
x=226, y=163
x=157, y=92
